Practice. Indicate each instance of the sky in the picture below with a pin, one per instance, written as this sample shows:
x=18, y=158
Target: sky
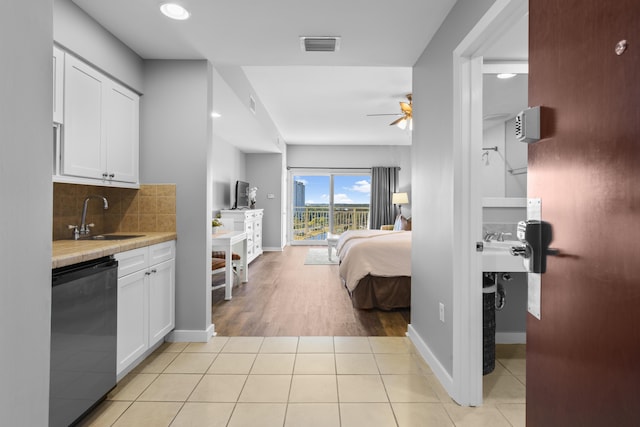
x=348, y=189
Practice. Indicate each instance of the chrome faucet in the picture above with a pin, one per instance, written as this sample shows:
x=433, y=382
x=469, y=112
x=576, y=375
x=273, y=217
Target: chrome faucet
x=489, y=236
x=84, y=227
x=501, y=236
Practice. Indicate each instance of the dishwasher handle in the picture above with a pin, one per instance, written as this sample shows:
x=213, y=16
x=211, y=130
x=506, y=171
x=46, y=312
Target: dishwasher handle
x=62, y=275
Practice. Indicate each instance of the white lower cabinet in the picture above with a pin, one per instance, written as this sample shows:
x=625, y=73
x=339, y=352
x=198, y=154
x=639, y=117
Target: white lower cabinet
x=146, y=300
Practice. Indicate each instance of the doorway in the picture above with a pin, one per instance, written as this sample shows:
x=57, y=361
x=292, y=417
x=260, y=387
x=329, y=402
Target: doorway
x=468, y=135
x=325, y=202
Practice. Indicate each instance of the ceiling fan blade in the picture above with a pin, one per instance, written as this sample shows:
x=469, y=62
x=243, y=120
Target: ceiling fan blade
x=395, y=122
x=405, y=107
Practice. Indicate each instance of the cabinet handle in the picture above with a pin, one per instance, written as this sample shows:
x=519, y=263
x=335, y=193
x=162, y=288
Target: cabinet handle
x=146, y=273
x=154, y=271
x=104, y=175
x=112, y=175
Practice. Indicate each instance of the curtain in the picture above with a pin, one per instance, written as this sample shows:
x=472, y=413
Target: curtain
x=384, y=181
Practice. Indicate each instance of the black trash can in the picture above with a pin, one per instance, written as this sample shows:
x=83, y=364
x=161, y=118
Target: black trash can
x=488, y=323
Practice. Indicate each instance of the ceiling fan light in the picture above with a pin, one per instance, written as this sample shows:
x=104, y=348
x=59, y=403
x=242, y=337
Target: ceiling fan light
x=174, y=11
x=411, y=123
x=402, y=124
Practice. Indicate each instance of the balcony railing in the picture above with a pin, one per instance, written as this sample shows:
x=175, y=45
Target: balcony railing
x=312, y=222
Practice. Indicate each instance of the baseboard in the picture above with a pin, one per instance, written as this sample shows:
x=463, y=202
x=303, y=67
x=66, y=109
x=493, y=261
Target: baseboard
x=440, y=372
x=272, y=249
x=191, y=335
x=139, y=360
x=511, y=337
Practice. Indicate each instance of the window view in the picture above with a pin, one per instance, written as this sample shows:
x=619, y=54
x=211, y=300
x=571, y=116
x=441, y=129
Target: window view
x=329, y=203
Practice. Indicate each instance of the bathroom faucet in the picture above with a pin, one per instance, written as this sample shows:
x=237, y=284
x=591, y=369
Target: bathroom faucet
x=489, y=236
x=84, y=227
x=501, y=236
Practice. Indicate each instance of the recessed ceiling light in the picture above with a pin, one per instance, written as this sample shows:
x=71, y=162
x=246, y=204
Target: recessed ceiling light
x=506, y=75
x=216, y=115
x=174, y=11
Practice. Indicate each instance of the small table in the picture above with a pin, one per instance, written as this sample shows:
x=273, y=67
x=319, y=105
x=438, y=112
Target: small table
x=226, y=240
x=332, y=242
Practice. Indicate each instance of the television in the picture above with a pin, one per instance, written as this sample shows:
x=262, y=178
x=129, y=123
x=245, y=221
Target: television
x=242, y=195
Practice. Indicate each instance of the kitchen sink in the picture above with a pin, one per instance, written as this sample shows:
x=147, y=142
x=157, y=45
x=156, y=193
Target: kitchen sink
x=113, y=237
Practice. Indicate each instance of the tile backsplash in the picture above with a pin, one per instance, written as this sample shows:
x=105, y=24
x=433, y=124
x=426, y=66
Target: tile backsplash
x=151, y=208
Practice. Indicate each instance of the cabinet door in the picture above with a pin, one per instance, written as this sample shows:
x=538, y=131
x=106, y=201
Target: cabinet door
x=58, y=85
x=161, y=300
x=121, y=112
x=133, y=323
x=83, y=151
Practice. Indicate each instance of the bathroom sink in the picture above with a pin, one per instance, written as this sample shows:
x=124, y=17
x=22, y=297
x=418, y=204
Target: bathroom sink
x=496, y=256
x=506, y=245
x=113, y=236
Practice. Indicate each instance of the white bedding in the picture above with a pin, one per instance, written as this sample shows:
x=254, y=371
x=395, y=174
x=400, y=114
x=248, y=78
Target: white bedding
x=376, y=252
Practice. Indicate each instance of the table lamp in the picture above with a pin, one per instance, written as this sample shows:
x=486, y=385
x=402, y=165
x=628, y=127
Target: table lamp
x=400, y=199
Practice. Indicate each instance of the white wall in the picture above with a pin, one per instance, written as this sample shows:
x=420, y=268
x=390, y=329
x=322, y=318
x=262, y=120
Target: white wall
x=492, y=165
x=176, y=143
x=516, y=157
x=433, y=259
x=265, y=172
x=497, y=181
x=26, y=195
x=235, y=77
x=81, y=34
x=349, y=156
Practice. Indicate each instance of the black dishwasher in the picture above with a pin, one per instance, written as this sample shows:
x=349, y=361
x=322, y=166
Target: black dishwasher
x=83, y=338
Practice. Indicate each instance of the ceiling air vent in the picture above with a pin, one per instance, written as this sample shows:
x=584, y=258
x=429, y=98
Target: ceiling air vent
x=320, y=44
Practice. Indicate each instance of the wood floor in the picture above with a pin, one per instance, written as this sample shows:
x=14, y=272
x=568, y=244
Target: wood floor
x=285, y=297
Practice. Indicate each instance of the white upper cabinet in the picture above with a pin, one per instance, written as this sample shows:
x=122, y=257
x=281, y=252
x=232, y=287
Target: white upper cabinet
x=122, y=114
x=83, y=149
x=101, y=126
x=58, y=85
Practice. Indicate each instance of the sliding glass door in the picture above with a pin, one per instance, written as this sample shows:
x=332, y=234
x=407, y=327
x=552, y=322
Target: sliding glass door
x=328, y=203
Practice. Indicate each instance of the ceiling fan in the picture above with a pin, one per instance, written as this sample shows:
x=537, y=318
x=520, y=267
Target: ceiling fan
x=406, y=113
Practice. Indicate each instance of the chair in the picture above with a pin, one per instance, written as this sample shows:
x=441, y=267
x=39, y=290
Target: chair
x=219, y=265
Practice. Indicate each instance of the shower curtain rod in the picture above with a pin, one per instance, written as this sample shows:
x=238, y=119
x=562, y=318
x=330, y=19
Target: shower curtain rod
x=323, y=167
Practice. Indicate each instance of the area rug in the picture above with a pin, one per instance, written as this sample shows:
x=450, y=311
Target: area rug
x=318, y=256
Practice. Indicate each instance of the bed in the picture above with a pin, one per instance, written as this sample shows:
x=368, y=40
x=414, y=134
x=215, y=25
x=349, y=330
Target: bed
x=375, y=267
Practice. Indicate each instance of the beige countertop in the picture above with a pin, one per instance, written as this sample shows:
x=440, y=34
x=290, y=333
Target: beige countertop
x=67, y=252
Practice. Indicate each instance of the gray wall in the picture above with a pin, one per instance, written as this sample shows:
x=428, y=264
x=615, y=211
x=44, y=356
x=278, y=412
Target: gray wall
x=265, y=172
x=356, y=157
x=228, y=167
x=78, y=32
x=434, y=200
x=513, y=317
x=26, y=155
x=176, y=143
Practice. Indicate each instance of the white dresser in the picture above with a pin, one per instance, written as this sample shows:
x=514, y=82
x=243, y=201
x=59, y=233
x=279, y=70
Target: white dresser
x=249, y=221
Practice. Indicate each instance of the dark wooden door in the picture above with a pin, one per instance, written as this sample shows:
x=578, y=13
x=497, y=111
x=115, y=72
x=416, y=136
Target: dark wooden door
x=583, y=356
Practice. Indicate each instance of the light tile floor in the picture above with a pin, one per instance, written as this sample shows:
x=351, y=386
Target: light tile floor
x=306, y=382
